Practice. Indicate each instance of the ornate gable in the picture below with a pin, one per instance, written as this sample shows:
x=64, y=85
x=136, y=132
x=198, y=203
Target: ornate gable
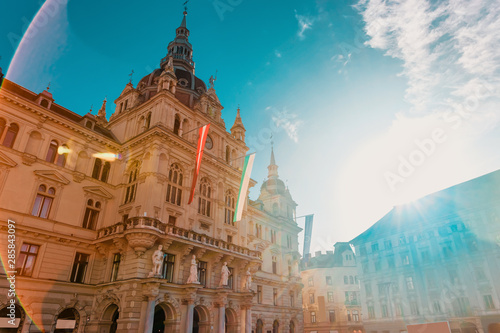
x=52, y=175
x=99, y=191
x=6, y=161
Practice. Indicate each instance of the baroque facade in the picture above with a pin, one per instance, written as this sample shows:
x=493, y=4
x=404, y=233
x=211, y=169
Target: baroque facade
x=435, y=260
x=93, y=200
x=330, y=296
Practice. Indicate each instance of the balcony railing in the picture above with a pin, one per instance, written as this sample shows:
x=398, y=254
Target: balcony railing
x=148, y=223
x=353, y=302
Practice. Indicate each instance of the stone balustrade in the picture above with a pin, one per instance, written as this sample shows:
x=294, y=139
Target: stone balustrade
x=149, y=223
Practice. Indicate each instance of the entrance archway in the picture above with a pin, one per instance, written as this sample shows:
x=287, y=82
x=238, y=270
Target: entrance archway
x=276, y=326
x=18, y=322
x=260, y=326
x=201, y=320
x=109, y=319
x=231, y=321
x=292, y=326
x=67, y=321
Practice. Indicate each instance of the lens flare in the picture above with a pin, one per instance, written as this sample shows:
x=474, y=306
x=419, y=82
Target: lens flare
x=63, y=150
x=110, y=157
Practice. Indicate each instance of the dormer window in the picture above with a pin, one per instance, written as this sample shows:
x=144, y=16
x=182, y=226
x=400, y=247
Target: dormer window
x=183, y=82
x=44, y=103
x=88, y=124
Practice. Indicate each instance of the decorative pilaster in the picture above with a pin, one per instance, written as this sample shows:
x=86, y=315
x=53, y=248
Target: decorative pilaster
x=151, y=290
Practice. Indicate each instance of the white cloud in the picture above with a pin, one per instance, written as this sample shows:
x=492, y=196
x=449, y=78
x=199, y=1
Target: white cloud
x=449, y=48
x=288, y=122
x=305, y=23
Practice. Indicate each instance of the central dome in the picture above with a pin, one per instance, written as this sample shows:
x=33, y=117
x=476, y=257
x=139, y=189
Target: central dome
x=189, y=87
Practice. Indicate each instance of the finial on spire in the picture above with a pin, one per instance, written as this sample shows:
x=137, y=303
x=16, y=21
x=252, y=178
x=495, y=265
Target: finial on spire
x=131, y=75
x=185, y=7
x=48, y=87
x=91, y=106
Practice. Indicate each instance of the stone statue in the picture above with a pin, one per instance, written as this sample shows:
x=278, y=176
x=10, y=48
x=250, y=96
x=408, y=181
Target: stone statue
x=212, y=81
x=157, y=261
x=193, y=271
x=248, y=282
x=170, y=63
x=224, y=275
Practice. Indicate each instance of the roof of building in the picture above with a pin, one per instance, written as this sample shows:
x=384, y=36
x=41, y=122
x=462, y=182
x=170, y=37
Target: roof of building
x=16, y=89
x=437, y=206
x=328, y=260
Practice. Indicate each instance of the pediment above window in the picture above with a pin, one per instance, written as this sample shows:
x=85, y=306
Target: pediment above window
x=52, y=175
x=99, y=191
x=6, y=161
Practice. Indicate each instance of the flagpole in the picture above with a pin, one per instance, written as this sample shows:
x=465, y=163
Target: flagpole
x=194, y=129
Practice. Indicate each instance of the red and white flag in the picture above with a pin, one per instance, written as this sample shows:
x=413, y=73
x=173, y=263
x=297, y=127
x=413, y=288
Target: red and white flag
x=199, y=154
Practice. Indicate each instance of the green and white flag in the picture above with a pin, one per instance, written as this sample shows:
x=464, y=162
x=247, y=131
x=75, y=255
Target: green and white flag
x=245, y=179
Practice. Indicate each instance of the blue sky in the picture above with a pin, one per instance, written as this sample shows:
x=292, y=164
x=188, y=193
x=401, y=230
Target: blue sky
x=352, y=91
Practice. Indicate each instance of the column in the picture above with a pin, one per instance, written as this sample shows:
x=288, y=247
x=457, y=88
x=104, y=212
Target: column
x=222, y=318
x=189, y=316
x=248, y=319
x=150, y=315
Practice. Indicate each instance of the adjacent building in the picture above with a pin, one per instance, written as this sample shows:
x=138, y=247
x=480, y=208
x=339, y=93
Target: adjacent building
x=94, y=199
x=331, y=297
x=436, y=259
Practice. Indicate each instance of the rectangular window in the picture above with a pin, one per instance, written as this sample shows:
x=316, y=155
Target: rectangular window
x=405, y=259
x=371, y=312
x=414, y=308
x=275, y=296
x=202, y=272
x=27, y=258
x=399, y=309
x=390, y=261
x=368, y=289
x=259, y=294
x=488, y=302
x=310, y=281
x=230, y=279
x=313, y=316
x=388, y=244
x=79, y=267
x=426, y=256
x=355, y=315
x=409, y=283
x=329, y=280
x=362, y=250
x=378, y=265
x=349, y=316
x=311, y=298
x=116, y=266
x=385, y=312
x=172, y=220
x=365, y=267
x=346, y=279
x=375, y=247
x=292, y=299
x=436, y=306
x=330, y=296
x=289, y=241
x=275, y=265
x=229, y=238
x=331, y=316
x=168, y=267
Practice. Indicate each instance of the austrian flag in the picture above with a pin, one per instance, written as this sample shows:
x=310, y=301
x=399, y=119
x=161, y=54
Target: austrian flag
x=245, y=179
x=199, y=154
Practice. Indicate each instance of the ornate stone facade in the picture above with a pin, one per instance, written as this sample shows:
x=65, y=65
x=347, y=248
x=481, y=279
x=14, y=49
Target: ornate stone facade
x=94, y=199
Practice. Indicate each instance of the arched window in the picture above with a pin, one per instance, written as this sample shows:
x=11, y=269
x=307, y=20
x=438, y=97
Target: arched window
x=228, y=155
x=229, y=208
x=174, y=188
x=10, y=136
x=260, y=326
x=148, y=120
x=275, y=264
x=132, y=183
x=91, y=214
x=2, y=126
x=62, y=155
x=101, y=170
x=52, y=152
x=43, y=201
x=34, y=141
x=276, y=326
x=177, y=125
x=204, y=200
x=69, y=319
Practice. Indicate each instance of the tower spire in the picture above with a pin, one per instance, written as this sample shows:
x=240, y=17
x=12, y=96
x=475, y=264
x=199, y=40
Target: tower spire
x=273, y=168
x=180, y=49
